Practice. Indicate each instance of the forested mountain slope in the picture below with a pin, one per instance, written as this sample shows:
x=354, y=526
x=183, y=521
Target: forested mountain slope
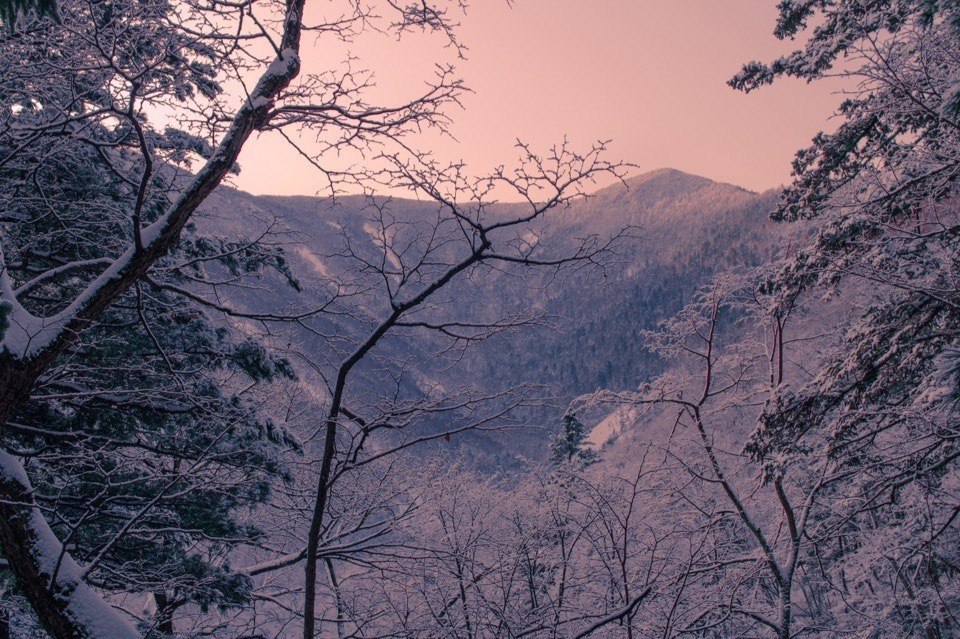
x=682, y=229
x=687, y=229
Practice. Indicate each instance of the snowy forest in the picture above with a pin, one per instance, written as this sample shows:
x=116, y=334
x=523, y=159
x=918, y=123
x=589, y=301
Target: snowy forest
x=563, y=399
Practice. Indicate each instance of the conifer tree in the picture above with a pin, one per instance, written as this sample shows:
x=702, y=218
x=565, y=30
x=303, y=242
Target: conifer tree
x=880, y=193
x=12, y=10
x=571, y=446
x=146, y=440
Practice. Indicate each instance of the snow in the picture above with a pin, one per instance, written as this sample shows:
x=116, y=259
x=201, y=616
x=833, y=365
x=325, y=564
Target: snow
x=312, y=260
x=282, y=64
x=611, y=426
x=23, y=326
x=951, y=100
x=28, y=335
x=258, y=103
x=85, y=605
x=384, y=242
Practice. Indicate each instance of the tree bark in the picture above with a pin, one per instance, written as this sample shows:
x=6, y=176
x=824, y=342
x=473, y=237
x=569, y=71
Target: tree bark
x=66, y=606
x=4, y=624
x=164, y=613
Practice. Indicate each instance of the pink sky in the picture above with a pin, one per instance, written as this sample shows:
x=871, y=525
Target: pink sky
x=648, y=74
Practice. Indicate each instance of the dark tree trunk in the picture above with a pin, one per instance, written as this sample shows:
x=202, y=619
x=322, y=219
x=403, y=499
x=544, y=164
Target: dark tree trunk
x=164, y=613
x=21, y=536
x=4, y=623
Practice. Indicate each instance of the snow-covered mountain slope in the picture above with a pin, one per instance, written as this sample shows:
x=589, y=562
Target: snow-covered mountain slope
x=687, y=228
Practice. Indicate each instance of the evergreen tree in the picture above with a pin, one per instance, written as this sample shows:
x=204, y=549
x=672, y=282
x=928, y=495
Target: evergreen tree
x=146, y=438
x=571, y=446
x=881, y=193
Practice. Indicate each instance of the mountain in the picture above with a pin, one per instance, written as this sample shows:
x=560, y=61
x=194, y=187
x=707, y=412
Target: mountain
x=686, y=229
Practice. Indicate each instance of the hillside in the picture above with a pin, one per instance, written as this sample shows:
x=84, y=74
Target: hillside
x=687, y=228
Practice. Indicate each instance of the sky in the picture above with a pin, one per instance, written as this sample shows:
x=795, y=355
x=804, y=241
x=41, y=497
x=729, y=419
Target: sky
x=650, y=75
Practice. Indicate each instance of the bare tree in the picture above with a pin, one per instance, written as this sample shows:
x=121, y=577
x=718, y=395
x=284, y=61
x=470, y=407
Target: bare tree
x=81, y=91
x=87, y=95
x=735, y=369
x=413, y=283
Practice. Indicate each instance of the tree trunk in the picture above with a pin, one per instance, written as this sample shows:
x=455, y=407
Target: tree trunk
x=4, y=624
x=164, y=613
x=67, y=607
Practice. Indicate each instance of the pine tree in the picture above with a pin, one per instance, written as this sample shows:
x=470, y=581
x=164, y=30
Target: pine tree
x=571, y=445
x=145, y=437
x=881, y=194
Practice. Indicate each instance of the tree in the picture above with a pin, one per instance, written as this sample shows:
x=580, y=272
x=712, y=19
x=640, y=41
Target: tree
x=413, y=264
x=571, y=444
x=12, y=10
x=881, y=194
x=707, y=394
x=153, y=410
x=482, y=559
x=118, y=271
x=78, y=147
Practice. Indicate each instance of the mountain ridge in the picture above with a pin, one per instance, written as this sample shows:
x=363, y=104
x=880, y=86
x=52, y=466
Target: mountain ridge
x=691, y=227
x=634, y=180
